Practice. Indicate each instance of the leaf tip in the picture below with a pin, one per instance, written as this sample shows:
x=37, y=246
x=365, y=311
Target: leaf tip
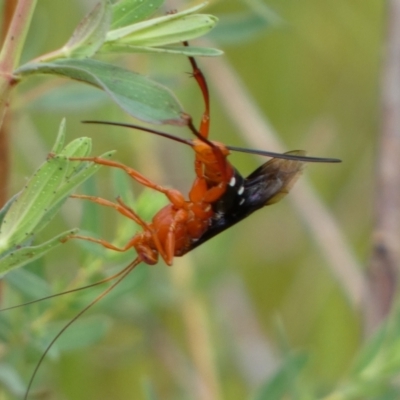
x=183, y=120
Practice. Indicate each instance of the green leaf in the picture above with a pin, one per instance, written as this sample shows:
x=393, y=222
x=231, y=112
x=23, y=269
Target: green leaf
x=283, y=382
x=80, y=147
x=122, y=186
x=371, y=351
x=40, y=200
x=43, y=195
x=60, y=138
x=118, y=34
x=30, y=206
x=170, y=31
x=86, y=332
x=239, y=28
x=149, y=202
x=29, y=284
x=20, y=257
x=66, y=98
x=11, y=380
x=162, y=31
x=6, y=207
x=81, y=172
x=90, y=33
x=137, y=95
x=128, y=12
x=7, y=327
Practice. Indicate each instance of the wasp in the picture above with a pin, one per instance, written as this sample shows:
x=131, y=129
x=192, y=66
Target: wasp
x=219, y=197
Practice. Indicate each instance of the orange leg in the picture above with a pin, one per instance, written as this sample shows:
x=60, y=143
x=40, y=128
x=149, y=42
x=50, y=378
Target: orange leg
x=147, y=227
x=121, y=207
x=167, y=252
x=170, y=242
x=126, y=211
x=164, y=246
x=174, y=196
x=103, y=243
x=201, y=81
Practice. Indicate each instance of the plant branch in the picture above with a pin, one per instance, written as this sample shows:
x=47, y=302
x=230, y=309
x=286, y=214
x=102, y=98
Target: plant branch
x=15, y=39
x=7, y=12
x=11, y=51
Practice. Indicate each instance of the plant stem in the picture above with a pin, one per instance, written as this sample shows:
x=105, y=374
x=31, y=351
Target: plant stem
x=385, y=258
x=16, y=35
x=7, y=12
x=16, y=21
x=12, y=48
x=20, y=15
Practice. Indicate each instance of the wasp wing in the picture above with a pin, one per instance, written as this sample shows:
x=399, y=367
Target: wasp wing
x=266, y=185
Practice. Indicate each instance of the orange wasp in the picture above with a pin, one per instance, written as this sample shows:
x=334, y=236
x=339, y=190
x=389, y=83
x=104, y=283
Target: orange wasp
x=219, y=198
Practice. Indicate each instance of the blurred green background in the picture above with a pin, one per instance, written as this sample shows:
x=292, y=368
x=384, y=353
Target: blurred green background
x=259, y=298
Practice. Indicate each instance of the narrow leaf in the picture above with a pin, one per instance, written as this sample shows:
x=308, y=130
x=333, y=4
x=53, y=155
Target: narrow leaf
x=28, y=284
x=90, y=33
x=28, y=208
x=172, y=31
x=84, y=171
x=80, y=147
x=118, y=34
x=6, y=207
x=40, y=200
x=284, y=381
x=127, y=12
x=86, y=332
x=81, y=172
x=11, y=380
x=371, y=351
x=60, y=139
x=239, y=28
x=25, y=255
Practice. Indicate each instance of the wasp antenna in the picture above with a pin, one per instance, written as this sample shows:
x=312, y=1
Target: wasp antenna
x=142, y=128
x=124, y=273
x=105, y=280
x=285, y=156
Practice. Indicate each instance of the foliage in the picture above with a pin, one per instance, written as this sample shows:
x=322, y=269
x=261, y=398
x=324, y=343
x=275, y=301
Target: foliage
x=40, y=200
x=108, y=29
x=205, y=328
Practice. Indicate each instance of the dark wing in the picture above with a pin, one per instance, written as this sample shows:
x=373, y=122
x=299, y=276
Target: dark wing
x=266, y=185
x=272, y=181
